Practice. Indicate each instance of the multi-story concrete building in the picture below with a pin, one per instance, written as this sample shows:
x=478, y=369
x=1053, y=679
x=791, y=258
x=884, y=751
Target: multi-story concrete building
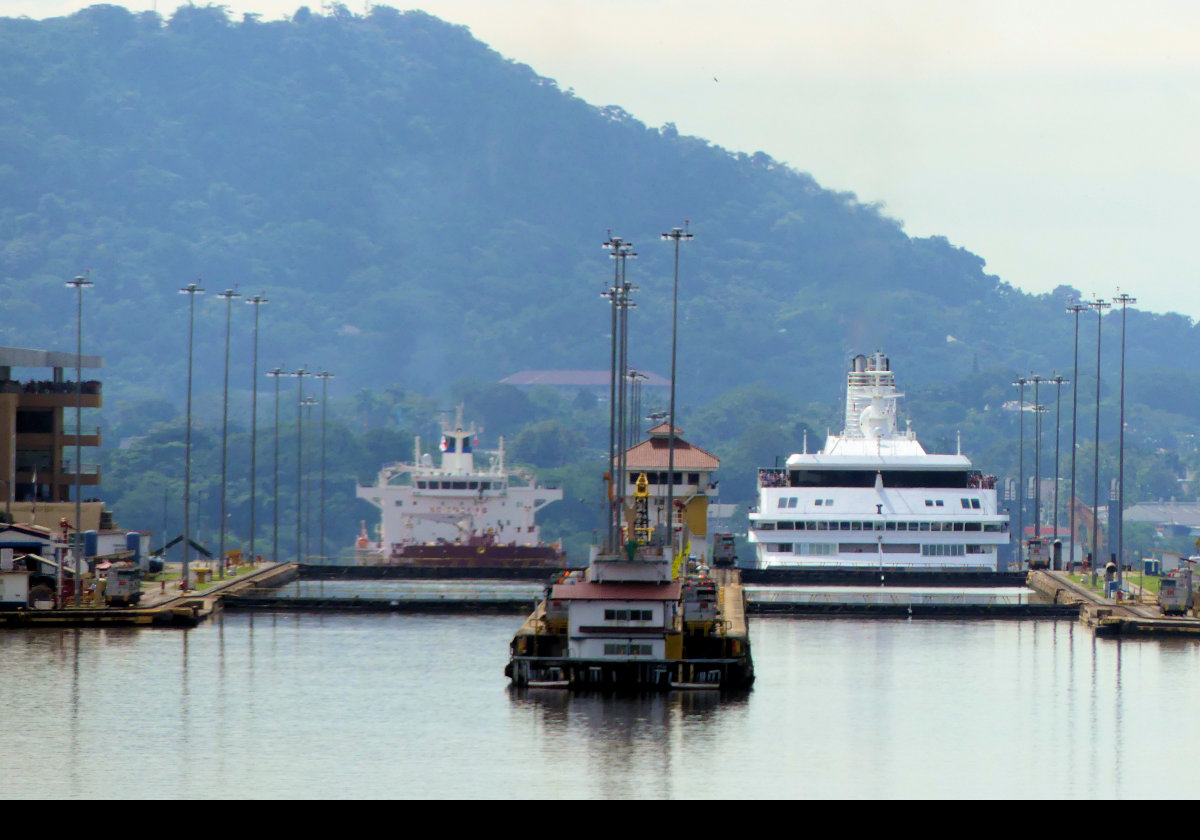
x=38, y=437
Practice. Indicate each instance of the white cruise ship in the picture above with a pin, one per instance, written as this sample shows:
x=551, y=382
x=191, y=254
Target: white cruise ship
x=873, y=498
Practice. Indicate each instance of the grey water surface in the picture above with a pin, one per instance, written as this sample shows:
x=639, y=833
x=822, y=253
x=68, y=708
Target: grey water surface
x=286, y=705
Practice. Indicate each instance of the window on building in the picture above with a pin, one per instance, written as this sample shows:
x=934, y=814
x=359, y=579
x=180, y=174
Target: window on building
x=628, y=615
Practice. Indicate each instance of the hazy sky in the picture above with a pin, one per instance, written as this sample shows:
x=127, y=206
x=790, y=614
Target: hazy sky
x=1054, y=138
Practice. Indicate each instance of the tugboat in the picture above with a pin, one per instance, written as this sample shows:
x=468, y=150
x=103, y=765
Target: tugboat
x=638, y=619
x=456, y=515
x=645, y=615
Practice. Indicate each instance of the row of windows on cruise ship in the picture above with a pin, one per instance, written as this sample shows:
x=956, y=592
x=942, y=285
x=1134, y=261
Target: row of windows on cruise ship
x=454, y=485
x=827, y=549
x=792, y=502
x=810, y=525
x=661, y=477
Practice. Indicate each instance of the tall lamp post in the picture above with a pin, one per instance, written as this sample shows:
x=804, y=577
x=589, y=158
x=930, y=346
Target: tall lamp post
x=1074, y=307
x=300, y=374
x=256, y=301
x=1058, y=381
x=1037, y=455
x=622, y=302
x=79, y=283
x=676, y=235
x=191, y=290
x=1020, y=383
x=324, y=376
x=275, y=373
x=228, y=295
x=1099, y=305
x=1124, y=300
x=308, y=403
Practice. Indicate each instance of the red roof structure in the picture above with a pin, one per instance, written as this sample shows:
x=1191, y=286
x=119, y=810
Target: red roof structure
x=654, y=454
x=588, y=591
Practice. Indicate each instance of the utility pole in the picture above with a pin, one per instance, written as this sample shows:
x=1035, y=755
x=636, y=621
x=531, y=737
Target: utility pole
x=676, y=235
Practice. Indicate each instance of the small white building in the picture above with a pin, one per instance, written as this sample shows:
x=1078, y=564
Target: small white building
x=619, y=620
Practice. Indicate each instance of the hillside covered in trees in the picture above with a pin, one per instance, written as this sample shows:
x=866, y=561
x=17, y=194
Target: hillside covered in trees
x=426, y=216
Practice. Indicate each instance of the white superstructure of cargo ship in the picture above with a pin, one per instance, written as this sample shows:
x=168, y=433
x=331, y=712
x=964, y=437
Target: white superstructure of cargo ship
x=874, y=498
x=457, y=512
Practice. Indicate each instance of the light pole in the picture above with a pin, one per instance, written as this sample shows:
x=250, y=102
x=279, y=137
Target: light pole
x=308, y=403
x=626, y=305
x=324, y=376
x=1058, y=380
x=228, y=295
x=613, y=294
x=620, y=294
x=1021, y=380
x=275, y=373
x=1037, y=456
x=1124, y=300
x=78, y=284
x=1099, y=305
x=191, y=290
x=257, y=301
x=300, y=374
x=676, y=235
x=1075, y=307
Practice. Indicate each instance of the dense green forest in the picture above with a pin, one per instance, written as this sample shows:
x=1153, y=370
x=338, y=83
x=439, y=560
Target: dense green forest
x=426, y=216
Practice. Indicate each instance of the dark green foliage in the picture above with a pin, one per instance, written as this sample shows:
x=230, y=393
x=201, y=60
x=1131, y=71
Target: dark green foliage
x=421, y=210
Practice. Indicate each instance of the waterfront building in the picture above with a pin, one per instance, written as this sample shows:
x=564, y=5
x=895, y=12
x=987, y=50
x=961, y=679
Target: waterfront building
x=37, y=442
x=693, y=484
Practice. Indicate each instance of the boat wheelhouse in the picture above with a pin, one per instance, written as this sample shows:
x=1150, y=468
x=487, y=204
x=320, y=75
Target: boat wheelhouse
x=874, y=498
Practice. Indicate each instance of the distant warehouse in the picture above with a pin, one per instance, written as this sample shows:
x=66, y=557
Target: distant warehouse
x=593, y=381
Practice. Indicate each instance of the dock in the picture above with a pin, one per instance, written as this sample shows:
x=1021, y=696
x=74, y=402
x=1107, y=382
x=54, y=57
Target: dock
x=1113, y=618
x=157, y=608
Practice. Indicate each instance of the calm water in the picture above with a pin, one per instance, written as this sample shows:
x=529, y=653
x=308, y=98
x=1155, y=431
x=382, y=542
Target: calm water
x=417, y=706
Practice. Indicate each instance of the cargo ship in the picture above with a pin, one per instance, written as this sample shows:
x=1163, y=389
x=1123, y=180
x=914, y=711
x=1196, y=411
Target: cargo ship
x=457, y=514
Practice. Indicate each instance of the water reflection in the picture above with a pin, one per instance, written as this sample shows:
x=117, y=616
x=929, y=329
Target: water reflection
x=416, y=706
